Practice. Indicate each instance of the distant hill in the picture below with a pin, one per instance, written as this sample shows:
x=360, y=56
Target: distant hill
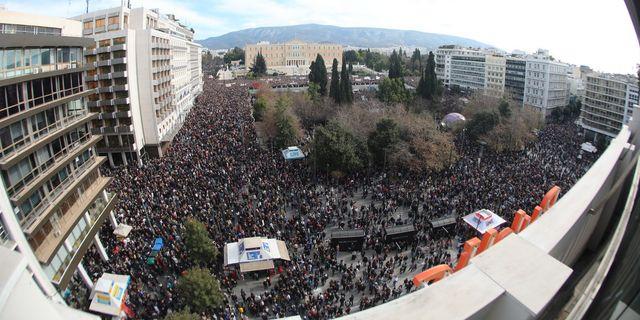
x=355, y=37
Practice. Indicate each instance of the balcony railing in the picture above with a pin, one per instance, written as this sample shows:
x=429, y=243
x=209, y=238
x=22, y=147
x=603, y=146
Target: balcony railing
x=47, y=248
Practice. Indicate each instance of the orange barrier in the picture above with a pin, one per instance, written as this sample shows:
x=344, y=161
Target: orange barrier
x=432, y=274
x=503, y=234
x=550, y=198
x=536, y=213
x=487, y=240
x=463, y=260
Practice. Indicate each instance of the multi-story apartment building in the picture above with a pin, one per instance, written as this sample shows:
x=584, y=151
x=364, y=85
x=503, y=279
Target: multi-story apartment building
x=494, y=76
x=533, y=80
x=52, y=194
x=148, y=74
x=293, y=57
x=467, y=62
x=608, y=103
x=514, y=78
x=546, y=86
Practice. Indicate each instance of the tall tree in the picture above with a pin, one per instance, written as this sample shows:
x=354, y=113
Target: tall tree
x=416, y=60
x=392, y=91
x=199, y=246
x=318, y=74
x=428, y=84
x=259, y=67
x=345, y=84
x=199, y=290
x=334, y=90
x=395, y=66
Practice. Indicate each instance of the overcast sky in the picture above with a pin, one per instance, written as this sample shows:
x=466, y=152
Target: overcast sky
x=598, y=33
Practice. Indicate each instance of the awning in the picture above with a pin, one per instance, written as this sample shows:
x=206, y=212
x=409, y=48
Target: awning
x=442, y=222
x=109, y=294
x=293, y=153
x=255, y=266
x=282, y=248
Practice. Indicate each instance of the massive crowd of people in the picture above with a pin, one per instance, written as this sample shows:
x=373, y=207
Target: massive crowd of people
x=216, y=172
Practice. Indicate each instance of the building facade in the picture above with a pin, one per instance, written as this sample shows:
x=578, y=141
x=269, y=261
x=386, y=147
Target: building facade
x=608, y=103
x=53, y=200
x=293, y=57
x=514, y=78
x=533, y=80
x=494, y=76
x=148, y=73
x=546, y=84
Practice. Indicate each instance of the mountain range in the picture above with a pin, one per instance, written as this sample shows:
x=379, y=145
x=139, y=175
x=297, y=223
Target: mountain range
x=353, y=37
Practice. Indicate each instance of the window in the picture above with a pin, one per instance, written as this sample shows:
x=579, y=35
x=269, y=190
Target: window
x=104, y=43
x=119, y=40
x=114, y=20
x=45, y=56
x=99, y=23
x=87, y=25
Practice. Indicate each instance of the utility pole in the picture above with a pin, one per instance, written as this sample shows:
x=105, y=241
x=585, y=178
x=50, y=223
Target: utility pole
x=87, y=7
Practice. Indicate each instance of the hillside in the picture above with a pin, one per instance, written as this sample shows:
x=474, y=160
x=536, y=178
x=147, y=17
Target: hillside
x=355, y=37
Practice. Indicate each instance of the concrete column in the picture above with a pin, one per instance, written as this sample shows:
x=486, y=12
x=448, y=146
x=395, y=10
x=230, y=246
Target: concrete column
x=100, y=247
x=85, y=276
x=110, y=159
x=124, y=158
x=112, y=218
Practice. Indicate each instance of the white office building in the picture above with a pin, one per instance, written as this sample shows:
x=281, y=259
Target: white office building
x=148, y=75
x=546, y=84
x=608, y=103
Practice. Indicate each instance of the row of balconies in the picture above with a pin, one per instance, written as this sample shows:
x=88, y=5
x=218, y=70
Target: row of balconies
x=112, y=130
x=115, y=88
x=109, y=62
x=157, y=45
x=166, y=67
x=161, y=57
x=107, y=102
x=161, y=92
x=161, y=80
x=117, y=47
x=114, y=115
x=106, y=76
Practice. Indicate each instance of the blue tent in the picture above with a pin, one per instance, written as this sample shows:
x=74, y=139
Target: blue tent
x=157, y=244
x=293, y=153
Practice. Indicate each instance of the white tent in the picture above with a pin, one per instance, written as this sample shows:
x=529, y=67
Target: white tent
x=255, y=253
x=122, y=230
x=109, y=294
x=483, y=220
x=293, y=153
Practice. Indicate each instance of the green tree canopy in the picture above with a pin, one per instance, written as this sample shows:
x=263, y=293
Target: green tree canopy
x=505, y=109
x=286, y=126
x=392, y=91
x=259, y=67
x=481, y=123
x=336, y=149
x=416, y=61
x=351, y=56
x=184, y=314
x=383, y=139
x=199, y=247
x=259, y=108
x=199, y=290
x=233, y=55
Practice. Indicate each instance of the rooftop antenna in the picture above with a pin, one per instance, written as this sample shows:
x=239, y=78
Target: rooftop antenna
x=87, y=6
